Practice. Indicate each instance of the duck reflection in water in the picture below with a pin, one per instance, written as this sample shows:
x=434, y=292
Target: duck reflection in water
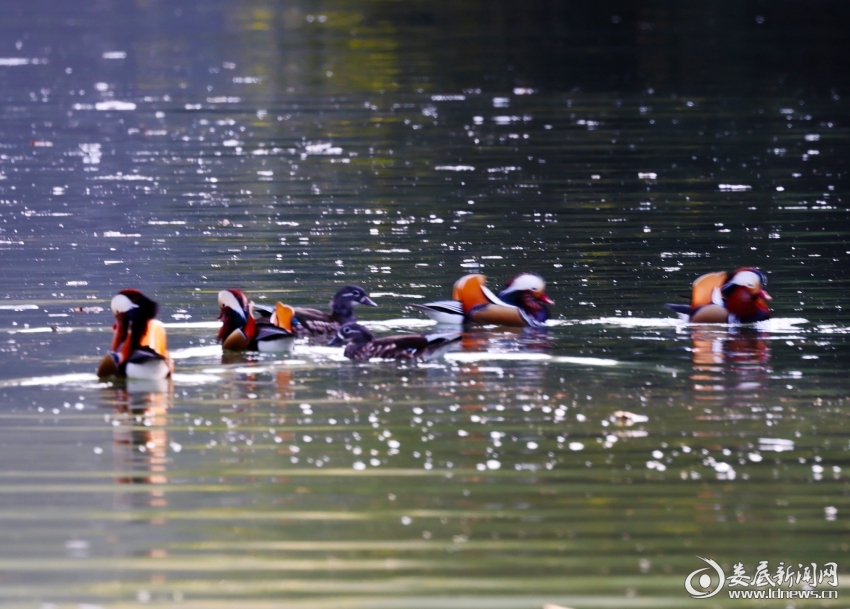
x=250, y=392
x=140, y=440
x=507, y=339
x=247, y=385
x=729, y=361
x=511, y=342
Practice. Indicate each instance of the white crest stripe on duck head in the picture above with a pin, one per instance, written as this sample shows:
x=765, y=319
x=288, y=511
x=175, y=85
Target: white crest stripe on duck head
x=228, y=299
x=751, y=280
x=528, y=283
x=353, y=294
x=352, y=332
x=121, y=304
x=525, y=281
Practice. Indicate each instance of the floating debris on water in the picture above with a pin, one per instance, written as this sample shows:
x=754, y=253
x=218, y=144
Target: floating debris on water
x=623, y=417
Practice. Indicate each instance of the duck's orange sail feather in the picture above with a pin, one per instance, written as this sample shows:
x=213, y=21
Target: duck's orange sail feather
x=703, y=288
x=282, y=316
x=468, y=291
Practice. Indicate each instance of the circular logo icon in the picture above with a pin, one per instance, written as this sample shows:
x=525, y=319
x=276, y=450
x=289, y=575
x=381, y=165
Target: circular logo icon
x=704, y=580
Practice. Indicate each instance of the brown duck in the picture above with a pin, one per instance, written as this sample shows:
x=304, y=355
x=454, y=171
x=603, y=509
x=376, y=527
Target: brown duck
x=313, y=322
x=362, y=345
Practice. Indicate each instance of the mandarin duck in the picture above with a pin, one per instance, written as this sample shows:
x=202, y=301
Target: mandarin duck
x=522, y=302
x=721, y=298
x=139, y=348
x=240, y=331
x=362, y=345
x=313, y=322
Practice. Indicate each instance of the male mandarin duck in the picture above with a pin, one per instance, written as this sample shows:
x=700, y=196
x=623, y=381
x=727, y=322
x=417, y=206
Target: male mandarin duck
x=733, y=298
x=313, y=322
x=240, y=331
x=362, y=345
x=522, y=302
x=139, y=347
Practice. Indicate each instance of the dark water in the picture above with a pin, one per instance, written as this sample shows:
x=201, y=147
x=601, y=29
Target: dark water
x=619, y=150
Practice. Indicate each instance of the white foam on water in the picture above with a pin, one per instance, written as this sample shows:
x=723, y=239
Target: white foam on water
x=448, y=97
x=454, y=168
x=20, y=61
x=585, y=361
x=58, y=379
x=775, y=444
x=781, y=324
x=189, y=352
x=487, y=356
x=38, y=330
x=252, y=369
x=495, y=369
x=318, y=352
x=637, y=322
x=308, y=349
x=833, y=329
x=321, y=148
x=113, y=233
x=214, y=325
x=105, y=106
x=194, y=378
x=128, y=177
x=19, y=307
x=401, y=322
x=777, y=324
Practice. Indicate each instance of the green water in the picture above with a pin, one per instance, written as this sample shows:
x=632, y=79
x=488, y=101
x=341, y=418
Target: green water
x=292, y=148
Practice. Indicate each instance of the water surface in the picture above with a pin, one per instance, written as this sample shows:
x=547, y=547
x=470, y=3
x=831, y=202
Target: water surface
x=292, y=149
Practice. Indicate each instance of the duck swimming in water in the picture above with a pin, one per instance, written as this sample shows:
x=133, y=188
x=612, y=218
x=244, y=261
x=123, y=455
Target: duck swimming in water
x=139, y=347
x=240, y=331
x=522, y=302
x=727, y=298
x=313, y=322
x=362, y=345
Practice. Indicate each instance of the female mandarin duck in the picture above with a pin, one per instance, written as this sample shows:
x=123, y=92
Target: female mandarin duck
x=139, y=347
x=522, y=302
x=313, y=322
x=733, y=298
x=240, y=331
x=362, y=345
